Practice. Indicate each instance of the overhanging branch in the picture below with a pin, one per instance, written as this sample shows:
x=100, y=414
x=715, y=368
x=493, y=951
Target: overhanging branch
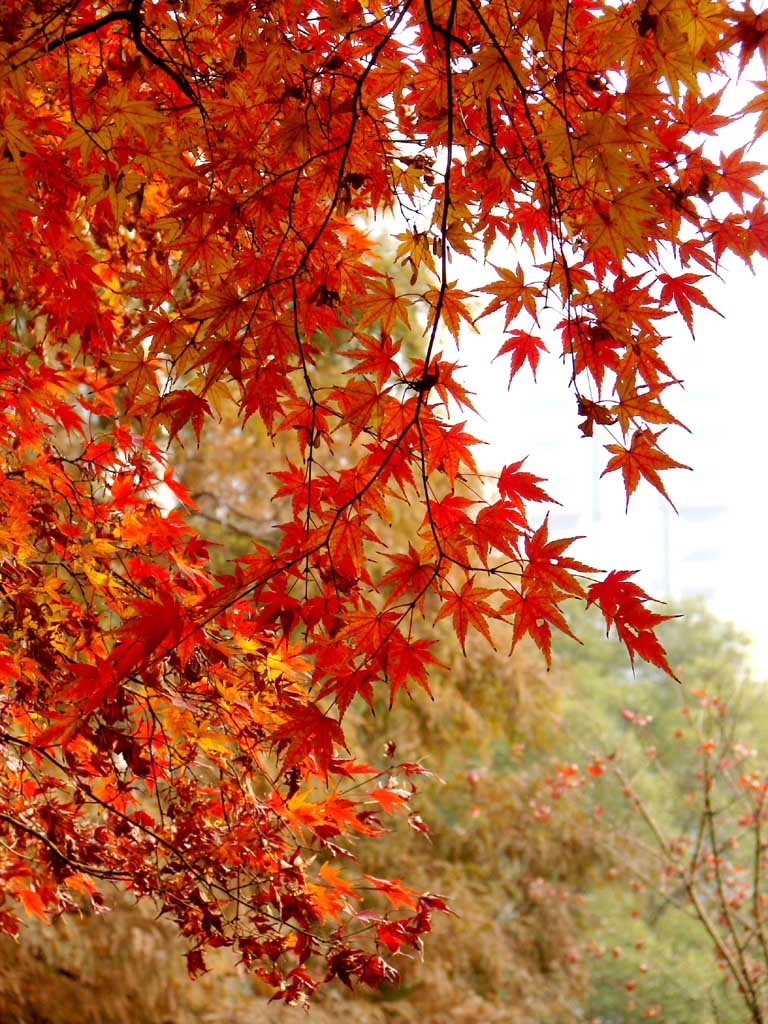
x=132, y=17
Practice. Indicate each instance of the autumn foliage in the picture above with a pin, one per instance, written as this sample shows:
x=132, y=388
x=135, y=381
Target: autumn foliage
x=189, y=196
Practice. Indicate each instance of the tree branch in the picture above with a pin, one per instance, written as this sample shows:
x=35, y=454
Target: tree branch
x=92, y=26
x=132, y=16
x=85, y=869
x=136, y=24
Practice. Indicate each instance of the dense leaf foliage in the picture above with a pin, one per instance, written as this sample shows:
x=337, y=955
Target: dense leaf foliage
x=186, y=194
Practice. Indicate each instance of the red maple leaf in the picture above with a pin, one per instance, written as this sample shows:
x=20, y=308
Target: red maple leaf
x=520, y=487
x=643, y=459
x=533, y=612
x=547, y=566
x=524, y=347
x=468, y=607
x=624, y=606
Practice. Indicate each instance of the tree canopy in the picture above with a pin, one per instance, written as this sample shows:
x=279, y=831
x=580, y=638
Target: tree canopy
x=189, y=197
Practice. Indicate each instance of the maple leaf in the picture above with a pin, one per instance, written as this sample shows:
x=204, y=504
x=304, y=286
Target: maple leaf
x=467, y=607
x=759, y=105
x=592, y=349
x=615, y=593
x=448, y=519
x=637, y=404
x=397, y=894
x=645, y=644
x=624, y=606
x=453, y=309
x=532, y=611
x=622, y=225
x=346, y=545
x=390, y=798
x=393, y=934
x=156, y=627
x=307, y=731
x=415, y=248
x=381, y=304
x=447, y=385
x=32, y=903
x=751, y=32
x=498, y=526
x=736, y=175
x=594, y=413
x=447, y=449
x=519, y=487
x=643, y=459
x=178, y=490
x=683, y=291
x=337, y=881
x=512, y=294
x=181, y=407
x=450, y=387
x=345, y=686
x=409, y=576
x=376, y=357
x=524, y=347
x=91, y=686
x=362, y=406
x=331, y=898
x=369, y=628
x=407, y=660
x=547, y=566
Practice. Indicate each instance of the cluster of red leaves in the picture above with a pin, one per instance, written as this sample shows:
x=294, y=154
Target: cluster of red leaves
x=181, y=192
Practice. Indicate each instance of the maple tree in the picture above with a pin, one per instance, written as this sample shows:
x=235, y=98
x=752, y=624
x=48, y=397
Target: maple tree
x=186, y=199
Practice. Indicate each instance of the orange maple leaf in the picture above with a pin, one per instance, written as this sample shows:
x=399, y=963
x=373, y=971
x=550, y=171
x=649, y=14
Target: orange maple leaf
x=376, y=358
x=532, y=612
x=391, y=799
x=410, y=575
x=519, y=487
x=397, y=894
x=450, y=301
x=644, y=459
x=468, y=607
x=547, y=566
x=382, y=304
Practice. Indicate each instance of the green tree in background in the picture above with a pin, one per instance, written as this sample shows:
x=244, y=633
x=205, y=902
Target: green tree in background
x=679, y=776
